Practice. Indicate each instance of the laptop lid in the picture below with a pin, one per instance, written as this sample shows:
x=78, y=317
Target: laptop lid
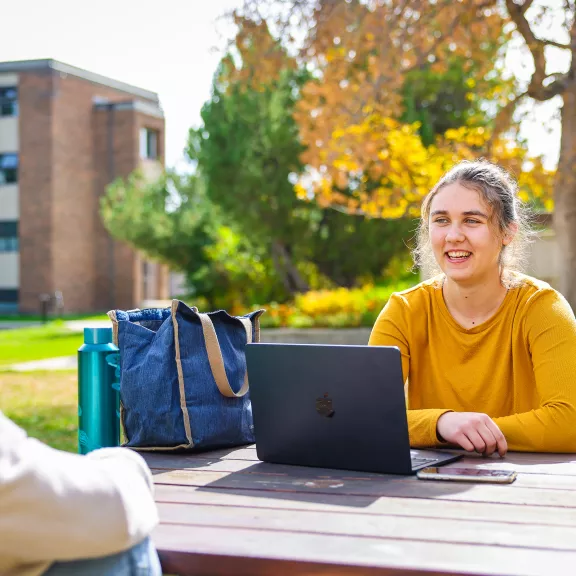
x=329, y=406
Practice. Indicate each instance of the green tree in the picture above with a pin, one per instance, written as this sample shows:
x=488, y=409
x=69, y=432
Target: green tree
x=351, y=250
x=169, y=219
x=245, y=151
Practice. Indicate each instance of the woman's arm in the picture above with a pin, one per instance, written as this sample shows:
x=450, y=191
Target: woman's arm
x=391, y=329
x=550, y=330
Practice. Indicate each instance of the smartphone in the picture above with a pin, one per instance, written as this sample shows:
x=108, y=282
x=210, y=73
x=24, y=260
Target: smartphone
x=467, y=475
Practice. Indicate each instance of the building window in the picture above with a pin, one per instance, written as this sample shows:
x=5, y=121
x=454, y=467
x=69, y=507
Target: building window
x=9, y=237
x=9, y=101
x=8, y=295
x=148, y=143
x=8, y=168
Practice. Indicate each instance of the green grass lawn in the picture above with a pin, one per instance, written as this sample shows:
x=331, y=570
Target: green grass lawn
x=38, y=318
x=38, y=343
x=44, y=404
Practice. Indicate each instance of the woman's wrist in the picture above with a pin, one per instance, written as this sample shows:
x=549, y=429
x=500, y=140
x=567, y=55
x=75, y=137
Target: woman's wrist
x=438, y=435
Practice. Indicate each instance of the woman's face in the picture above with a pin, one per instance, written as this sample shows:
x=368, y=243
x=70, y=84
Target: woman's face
x=464, y=242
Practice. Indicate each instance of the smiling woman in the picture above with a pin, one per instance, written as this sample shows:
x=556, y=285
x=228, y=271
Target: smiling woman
x=487, y=352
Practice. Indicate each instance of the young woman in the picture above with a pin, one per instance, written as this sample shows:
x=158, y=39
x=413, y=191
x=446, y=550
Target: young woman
x=488, y=354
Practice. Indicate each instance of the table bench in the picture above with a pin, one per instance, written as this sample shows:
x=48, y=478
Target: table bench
x=225, y=512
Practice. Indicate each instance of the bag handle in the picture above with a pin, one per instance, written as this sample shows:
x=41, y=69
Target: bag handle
x=215, y=356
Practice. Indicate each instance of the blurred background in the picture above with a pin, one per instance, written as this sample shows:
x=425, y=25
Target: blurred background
x=245, y=154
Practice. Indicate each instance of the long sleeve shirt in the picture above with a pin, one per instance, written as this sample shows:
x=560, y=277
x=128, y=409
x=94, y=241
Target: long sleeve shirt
x=519, y=367
x=61, y=506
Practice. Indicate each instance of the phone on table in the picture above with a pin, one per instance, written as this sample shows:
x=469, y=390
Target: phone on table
x=467, y=475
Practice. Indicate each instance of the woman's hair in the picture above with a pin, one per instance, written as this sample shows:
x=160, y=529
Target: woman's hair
x=500, y=191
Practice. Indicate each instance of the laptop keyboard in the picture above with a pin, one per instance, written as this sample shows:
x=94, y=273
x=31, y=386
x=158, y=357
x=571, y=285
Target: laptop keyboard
x=418, y=461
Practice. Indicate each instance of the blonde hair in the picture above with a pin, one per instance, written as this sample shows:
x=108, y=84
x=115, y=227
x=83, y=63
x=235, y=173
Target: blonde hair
x=500, y=191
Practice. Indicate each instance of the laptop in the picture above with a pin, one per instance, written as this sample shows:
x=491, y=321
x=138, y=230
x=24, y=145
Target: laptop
x=333, y=406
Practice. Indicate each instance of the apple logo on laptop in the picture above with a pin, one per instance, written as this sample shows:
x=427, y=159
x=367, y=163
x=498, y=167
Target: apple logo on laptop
x=324, y=406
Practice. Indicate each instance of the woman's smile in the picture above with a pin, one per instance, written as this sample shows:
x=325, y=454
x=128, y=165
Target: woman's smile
x=458, y=256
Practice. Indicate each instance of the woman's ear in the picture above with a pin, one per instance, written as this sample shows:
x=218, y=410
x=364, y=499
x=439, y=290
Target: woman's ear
x=510, y=233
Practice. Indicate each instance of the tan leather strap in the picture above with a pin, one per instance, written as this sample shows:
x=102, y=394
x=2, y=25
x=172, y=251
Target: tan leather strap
x=112, y=316
x=215, y=356
x=183, y=407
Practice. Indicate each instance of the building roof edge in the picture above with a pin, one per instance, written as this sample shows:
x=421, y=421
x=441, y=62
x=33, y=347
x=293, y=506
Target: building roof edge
x=48, y=63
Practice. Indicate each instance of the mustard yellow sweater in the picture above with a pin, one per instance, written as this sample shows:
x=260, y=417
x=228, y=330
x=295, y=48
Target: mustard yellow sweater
x=519, y=367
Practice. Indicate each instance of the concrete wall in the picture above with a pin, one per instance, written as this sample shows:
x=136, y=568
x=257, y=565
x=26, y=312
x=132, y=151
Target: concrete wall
x=9, y=203
x=9, y=141
x=315, y=335
x=8, y=79
x=9, y=270
x=544, y=260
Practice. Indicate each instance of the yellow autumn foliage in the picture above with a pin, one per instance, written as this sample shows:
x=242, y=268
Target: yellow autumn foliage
x=391, y=170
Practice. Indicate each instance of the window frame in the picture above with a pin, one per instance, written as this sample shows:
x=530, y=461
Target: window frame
x=9, y=296
x=9, y=107
x=9, y=237
x=148, y=143
x=4, y=180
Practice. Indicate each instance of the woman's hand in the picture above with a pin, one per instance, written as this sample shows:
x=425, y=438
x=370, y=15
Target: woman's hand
x=472, y=431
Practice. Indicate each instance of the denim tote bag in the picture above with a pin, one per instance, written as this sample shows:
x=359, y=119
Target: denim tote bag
x=183, y=378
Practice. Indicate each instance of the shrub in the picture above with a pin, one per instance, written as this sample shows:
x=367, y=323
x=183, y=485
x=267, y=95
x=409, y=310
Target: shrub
x=340, y=308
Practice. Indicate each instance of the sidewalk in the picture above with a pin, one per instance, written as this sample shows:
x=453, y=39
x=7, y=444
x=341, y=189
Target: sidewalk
x=9, y=325
x=79, y=325
x=60, y=363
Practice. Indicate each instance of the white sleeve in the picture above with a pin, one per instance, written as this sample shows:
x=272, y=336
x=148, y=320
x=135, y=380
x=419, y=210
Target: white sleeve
x=60, y=506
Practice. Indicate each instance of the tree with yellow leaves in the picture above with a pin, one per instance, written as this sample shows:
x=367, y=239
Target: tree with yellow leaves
x=362, y=158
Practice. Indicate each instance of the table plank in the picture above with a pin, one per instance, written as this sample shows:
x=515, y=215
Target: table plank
x=248, y=552
x=389, y=506
x=527, y=463
x=267, y=484
x=461, y=531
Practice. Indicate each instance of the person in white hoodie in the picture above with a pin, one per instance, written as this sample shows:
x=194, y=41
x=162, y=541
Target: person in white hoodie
x=64, y=514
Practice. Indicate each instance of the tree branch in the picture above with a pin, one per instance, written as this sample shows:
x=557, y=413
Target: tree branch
x=536, y=48
x=555, y=44
x=525, y=6
x=503, y=120
x=536, y=88
x=559, y=85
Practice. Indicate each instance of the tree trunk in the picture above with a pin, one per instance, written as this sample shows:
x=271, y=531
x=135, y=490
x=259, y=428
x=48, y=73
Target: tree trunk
x=565, y=198
x=280, y=269
x=291, y=278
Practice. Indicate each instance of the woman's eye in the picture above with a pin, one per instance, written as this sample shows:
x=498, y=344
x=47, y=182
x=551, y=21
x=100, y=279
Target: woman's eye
x=472, y=221
x=440, y=221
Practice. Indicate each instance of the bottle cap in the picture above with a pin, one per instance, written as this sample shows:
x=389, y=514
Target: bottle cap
x=97, y=335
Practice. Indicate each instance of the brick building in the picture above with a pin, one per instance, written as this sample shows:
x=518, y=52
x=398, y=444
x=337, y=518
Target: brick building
x=66, y=133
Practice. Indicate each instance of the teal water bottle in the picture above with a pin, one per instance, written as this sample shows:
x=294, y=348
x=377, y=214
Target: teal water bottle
x=98, y=391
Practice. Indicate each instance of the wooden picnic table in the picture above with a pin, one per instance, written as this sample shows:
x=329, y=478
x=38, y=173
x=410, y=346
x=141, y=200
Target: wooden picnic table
x=225, y=512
